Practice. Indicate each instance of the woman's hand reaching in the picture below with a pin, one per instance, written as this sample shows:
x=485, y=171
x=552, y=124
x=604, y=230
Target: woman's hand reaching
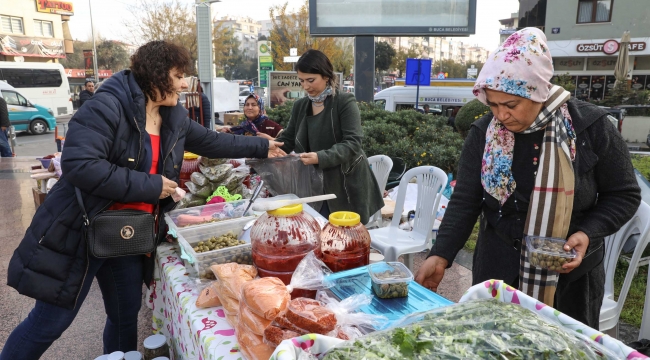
x=274, y=149
x=168, y=188
x=310, y=158
x=265, y=136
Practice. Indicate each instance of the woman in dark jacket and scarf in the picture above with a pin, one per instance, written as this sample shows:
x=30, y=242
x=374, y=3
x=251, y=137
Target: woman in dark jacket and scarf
x=540, y=164
x=325, y=129
x=124, y=149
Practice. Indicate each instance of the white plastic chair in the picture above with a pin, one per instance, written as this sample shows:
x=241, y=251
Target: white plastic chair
x=380, y=166
x=644, y=332
x=610, y=311
x=391, y=240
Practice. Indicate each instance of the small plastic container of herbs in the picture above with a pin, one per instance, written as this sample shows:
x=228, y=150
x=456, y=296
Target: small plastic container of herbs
x=390, y=279
x=548, y=252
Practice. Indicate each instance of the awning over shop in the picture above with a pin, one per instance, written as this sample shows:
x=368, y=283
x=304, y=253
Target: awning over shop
x=81, y=73
x=31, y=46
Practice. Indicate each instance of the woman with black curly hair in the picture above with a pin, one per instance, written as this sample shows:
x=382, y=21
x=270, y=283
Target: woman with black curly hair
x=124, y=150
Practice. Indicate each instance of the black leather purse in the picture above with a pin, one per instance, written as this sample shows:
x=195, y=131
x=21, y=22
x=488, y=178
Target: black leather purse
x=113, y=233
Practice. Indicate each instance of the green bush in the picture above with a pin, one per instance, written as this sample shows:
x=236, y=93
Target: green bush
x=469, y=113
x=280, y=114
x=416, y=138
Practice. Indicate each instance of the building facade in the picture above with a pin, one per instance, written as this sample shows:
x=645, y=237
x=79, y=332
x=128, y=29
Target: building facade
x=437, y=48
x=508, y=27
x=35, y=30
x=246, y=30
x=584, y=39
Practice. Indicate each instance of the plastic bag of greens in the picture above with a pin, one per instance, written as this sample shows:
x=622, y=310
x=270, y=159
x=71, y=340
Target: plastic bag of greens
x=211, y=162
x=478, y=329
x=199, y=179
x=200, y=191
x=234, y=180
x=216, y=173
x=190, y=200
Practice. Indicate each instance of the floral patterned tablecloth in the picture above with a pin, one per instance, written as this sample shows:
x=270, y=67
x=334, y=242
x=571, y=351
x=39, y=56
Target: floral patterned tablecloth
x=192, y=333
x=315, y=346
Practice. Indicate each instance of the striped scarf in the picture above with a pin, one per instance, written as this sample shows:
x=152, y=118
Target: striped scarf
x=551, y=202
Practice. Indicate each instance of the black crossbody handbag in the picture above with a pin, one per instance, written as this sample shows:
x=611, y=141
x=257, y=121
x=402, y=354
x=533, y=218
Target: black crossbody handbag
x=113, y=233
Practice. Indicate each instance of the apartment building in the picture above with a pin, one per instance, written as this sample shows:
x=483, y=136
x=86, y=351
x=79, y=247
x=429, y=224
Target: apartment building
x=35, y=30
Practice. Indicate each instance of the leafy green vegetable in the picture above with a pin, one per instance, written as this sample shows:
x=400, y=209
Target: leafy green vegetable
x=482, y=329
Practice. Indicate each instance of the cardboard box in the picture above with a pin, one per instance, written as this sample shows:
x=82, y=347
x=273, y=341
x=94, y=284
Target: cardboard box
x=39, y=197
x=232, y=118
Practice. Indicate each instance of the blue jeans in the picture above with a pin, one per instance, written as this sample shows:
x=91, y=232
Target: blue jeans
x=5, y=149
x=120, y=280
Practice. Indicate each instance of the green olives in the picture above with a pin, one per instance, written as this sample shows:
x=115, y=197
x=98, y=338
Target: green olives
x=390, y=290
x=218, y=243
x=548, y=254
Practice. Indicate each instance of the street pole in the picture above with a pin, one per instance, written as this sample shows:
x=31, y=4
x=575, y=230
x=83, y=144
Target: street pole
x=440, y=54
x=92, y=29
x=417, y=92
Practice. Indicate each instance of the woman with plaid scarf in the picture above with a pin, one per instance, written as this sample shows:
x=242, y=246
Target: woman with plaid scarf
x=540, y=164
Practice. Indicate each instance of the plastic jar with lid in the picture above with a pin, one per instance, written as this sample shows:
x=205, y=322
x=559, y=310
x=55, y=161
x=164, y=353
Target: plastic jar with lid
x=155, y=346
x=345, y=242
x=280, y=239
x=133, y=355
x=116, y=355
x=190, y=165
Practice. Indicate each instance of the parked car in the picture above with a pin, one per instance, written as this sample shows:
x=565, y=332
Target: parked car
x=25, y=115
x=242, y=97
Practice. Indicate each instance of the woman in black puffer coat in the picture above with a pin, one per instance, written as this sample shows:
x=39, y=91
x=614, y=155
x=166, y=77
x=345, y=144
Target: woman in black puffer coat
x=124, y=149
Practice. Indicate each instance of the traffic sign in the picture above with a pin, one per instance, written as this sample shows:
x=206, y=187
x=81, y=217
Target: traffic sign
x=417, y=72
x=472, y=72
x=441, y=76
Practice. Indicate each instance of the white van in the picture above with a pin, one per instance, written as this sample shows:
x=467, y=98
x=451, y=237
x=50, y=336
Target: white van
x=439, y=98
x=41, y=83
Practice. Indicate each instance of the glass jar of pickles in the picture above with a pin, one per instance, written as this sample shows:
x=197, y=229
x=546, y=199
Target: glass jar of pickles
x=345, y=242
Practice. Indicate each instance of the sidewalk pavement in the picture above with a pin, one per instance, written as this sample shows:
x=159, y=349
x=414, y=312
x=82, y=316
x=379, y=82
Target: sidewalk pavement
x=83, y=340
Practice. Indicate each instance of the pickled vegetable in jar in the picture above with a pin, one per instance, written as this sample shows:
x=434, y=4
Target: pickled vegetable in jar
x=280, y=239
x=345, y=242
x=189, y=166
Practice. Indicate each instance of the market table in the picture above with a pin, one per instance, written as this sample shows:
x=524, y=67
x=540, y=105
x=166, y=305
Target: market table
x=192, y=333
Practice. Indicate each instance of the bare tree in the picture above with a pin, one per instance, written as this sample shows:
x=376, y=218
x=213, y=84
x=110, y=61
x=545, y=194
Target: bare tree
x=170, y=20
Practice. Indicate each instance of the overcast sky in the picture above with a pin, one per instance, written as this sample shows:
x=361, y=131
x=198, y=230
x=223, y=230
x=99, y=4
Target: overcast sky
x=109, y=15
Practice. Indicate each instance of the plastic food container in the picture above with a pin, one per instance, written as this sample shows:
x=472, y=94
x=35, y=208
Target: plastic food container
x=201, y=261
x=548, y=253
x=117, y=355
x=345, y=242
x=390, y=279
x=155, y=346
x=280, y=239
x=207, y=215
x=190, y=165
x=133, y=355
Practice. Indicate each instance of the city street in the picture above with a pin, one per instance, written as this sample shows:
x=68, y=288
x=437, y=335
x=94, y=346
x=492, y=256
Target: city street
x=28, y=145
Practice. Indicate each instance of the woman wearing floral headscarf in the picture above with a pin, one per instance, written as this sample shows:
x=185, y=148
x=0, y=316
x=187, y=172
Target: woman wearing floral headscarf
x=536, y=165
x=256, y=122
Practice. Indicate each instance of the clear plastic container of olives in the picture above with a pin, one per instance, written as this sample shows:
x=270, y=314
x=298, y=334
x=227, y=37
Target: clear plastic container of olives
x=548, y=252
x=217, y=243
x=390, y=279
